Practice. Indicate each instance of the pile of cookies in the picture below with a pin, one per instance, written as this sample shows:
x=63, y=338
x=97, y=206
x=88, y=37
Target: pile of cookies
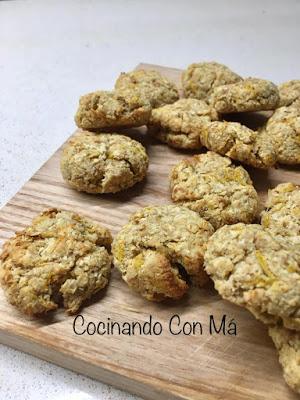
x=214, y=228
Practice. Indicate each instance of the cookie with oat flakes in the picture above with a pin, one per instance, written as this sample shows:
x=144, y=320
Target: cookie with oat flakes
x=239, y=143
x=282, y=214
x=103, y=163
x=161, y=249
x=61, y=257
x=283, y=132
x=150, y=84
x=104, y=110
x=252, y=269
x=221, y=192
x=179, y=124
x=200, y=79
x=287, y=343
x=250, y=94
x=289, y=92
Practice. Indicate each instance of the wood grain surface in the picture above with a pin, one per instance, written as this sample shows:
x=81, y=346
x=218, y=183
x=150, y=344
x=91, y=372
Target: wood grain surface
x=204, y=367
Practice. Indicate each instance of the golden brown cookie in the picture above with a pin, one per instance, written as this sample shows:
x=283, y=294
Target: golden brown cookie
x=103, y=163
x=111, y=110
x=252, y=269
x=250, y=94
x=161, y=249
x=283, y=131
x=200, y=79
x=289, y=92
x=151, y=84
x=239, y=143
x=213, y=186
x=287, y=342
x=60, y=258
x=282, y=214
x=179, y=124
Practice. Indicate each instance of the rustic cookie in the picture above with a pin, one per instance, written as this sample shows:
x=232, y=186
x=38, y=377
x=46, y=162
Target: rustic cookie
x=239, y=143
x=151, y=84
x=161, y=249
x=110, y=110
x=282, y=216
x=289, y=92
x=250, y=94
x=287, y=342
x=252, y=269
x=283, y=130
x=219, y=191
x=103, y=163
x=179, y=124
x=200, y=79
x=60, y=257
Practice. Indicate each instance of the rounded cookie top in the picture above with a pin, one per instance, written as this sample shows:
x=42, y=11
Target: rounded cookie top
x=289, y=92
x=179, y=124
x=239, y=143
x=109, y=110
x=200, y=79
x=287, y=342
x=151, y=84
x=219, y=191
x=282, y=216
x=60, y=256
x=160, y=249
x=103, y=163
x=283, y=130
x=251, y=268
x=250, y=94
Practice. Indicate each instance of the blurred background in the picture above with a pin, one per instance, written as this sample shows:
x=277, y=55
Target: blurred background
x=51, y=52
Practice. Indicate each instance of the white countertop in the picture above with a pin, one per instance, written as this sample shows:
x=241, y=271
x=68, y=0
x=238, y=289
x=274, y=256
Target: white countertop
x=51, y=52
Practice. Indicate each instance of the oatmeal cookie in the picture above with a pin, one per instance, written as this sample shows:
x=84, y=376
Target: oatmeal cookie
x=219, y=191
x=287, y=342
x=161, y=249
x=110, y=110
x=103, y=163
x=179, y=124
x=282, y=216
x=60, y=257
x=251, y=94
x=200, y=79
x=151, y=84
x=289, y=92
x=283, y=130
x=239, y=143
x=252, y=269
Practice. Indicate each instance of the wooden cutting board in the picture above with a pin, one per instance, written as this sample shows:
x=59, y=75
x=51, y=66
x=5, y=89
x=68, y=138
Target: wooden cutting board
x=166, y=366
